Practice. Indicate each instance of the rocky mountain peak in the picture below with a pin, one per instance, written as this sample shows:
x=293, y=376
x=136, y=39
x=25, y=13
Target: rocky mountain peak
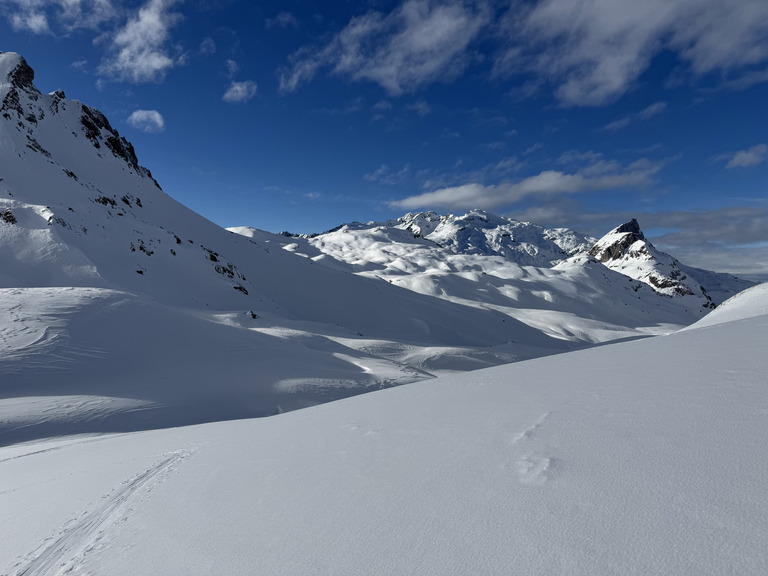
x=15, y=71
x=631, y=227
x=615, y=244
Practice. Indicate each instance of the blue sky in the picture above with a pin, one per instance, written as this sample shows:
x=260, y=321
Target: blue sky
x=299, y=115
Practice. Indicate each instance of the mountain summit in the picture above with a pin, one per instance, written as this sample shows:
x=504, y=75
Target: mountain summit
x=625, y=249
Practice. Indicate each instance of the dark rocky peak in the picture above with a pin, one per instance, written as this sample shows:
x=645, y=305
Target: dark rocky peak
x=615, y=244
x=631, y=227
x=17, y=72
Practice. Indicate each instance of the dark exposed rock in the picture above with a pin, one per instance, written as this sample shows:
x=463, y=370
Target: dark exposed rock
x=94, y=123
x=23, y=77
x=632, y=227
x=8, y=217
x=33, y=144
x=631, y=233
x=105, y=201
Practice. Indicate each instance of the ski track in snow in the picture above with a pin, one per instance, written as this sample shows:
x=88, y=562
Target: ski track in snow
x=79, y=536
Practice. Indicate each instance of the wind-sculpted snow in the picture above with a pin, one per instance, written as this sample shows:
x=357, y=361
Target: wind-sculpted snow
x=637, y=458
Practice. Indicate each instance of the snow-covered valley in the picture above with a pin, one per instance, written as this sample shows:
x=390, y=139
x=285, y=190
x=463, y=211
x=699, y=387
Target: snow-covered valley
x=147, y=357
x=644, y=457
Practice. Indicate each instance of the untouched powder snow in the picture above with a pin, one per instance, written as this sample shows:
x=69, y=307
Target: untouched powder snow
x=635, y=458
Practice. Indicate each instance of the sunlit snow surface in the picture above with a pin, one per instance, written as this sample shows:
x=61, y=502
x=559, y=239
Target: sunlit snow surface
x=646, y=457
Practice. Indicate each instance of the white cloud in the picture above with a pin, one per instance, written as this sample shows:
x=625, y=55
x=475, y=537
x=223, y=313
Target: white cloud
x=240, y=91
x=594, y=51
x=421, y=42
x=42, y=16
x=31, y=21
x=138, y=51
x=282, y=20
x=600, y=176
x=150, y=121
x=750, y=157
x=645, y=114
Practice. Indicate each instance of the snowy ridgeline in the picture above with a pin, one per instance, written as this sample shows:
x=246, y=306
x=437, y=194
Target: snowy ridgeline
x=636, y=458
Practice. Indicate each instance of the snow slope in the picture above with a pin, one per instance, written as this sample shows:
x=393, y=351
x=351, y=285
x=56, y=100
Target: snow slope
x=636, y=458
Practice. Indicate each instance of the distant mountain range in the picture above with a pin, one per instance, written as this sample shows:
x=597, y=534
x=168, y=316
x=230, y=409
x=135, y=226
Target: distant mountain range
x=116, y=294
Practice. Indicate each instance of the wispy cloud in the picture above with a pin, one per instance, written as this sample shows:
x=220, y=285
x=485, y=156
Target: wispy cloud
x=232, y=68
x=282, y=20
x=386, y=175
x=421, y=42
x=603, y=175
x=207, y=47
x=239, y=92
x=138, y=51
x=149, y=121
x=593, y=52
x=33, y=21
x=420, y=107
x=645, y=114
x=743, y=158
x=44, y=16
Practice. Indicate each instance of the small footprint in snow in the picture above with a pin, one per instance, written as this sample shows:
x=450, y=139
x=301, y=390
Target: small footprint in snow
x=533, y=469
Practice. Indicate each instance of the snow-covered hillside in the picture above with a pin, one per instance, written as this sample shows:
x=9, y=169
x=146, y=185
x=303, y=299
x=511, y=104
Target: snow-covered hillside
x=123, y=303
x=637, y=458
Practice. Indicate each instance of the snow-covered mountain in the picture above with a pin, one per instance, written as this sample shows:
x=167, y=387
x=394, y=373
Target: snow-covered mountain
x=626, y=250
x=539, y=276
x=120, y=301
x=478, y=233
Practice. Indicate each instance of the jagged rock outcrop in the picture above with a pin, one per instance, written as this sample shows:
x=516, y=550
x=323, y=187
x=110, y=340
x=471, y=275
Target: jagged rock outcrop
x=24, y=103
